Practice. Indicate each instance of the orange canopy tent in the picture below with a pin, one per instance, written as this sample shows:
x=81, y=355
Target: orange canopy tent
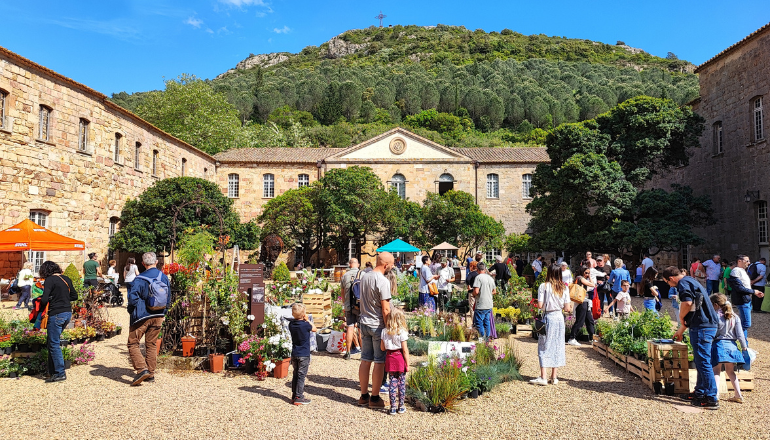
x=29, y=236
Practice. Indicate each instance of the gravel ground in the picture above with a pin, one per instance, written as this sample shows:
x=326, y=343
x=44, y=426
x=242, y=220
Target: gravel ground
x=594, y=399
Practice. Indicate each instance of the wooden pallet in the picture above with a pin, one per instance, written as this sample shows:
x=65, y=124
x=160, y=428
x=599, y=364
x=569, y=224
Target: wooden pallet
x=600, y=348
x=745, y=379
x=636, y=367
x=320, y=306
x=616, y=357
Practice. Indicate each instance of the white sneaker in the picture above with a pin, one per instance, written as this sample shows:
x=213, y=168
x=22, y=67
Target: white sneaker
x=555, y=381
x=539, y=381
x=574, y=342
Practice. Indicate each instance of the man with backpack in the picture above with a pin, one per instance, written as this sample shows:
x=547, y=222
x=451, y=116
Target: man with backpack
x=147, y=304
x=352, y=310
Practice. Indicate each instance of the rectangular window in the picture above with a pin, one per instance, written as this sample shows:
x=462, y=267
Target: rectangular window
x=44, y=123
x=35, y=257
x=718, y=144
x=83, y=135
x=118, y=136
x=268, y=186
x=526, y=186
x=3, y=96
x=304, y=180
x=490, y=254
x=154, y=162
x=762, y=222
x=113, y=226
x=184, y=166
x=686, y=257
x=137, y=152
x=759, y=132
x=233, y=186
x=493, y=186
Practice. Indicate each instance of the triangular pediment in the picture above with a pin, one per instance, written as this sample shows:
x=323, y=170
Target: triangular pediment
x=398, y=145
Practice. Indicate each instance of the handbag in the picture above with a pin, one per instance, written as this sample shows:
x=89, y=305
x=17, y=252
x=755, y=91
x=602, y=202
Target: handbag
x=432, y=289
x=596, y=306
x=577, y=293
x=540, y=325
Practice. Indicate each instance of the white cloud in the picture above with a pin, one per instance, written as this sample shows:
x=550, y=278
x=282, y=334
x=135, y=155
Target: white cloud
x=209, y=31
x=194, y=22
x=284, y=30
x=224, y=31
x=240, y=3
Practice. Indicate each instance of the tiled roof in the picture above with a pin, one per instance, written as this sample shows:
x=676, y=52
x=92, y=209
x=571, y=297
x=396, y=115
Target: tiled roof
x=276, y=155
x=506, y=155
x=735, y=46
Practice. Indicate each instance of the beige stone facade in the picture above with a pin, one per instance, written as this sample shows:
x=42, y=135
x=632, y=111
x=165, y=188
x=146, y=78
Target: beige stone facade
x=732, y=166
x=77, y=185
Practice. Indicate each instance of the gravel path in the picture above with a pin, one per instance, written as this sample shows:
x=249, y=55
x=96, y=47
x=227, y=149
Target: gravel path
x=594, y=399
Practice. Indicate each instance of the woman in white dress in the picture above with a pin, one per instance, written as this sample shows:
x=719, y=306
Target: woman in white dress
x=552, y=298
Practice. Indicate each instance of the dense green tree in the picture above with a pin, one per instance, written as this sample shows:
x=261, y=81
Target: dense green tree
x=329, y=110
x=293, y=216
x=592, y=193
x=146, y=223
x=190, y=110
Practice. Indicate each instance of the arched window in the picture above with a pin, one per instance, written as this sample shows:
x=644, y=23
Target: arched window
x=446, y=182
x=233, y=186
x=398, y=182
x=304, y=180
x=493, y=186
x=184, y=166
x=268, y=185
x=526, y=186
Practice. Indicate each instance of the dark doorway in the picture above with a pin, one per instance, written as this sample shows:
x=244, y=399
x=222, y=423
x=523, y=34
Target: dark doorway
x=445, y=186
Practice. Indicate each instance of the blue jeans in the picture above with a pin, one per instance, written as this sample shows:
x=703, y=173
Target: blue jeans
x=537, y=274
x=26, y=293
x=712, y=286
x=744, y=312
x=56, y=324
x=481, y=322
x=649, y=304
x=701, y=340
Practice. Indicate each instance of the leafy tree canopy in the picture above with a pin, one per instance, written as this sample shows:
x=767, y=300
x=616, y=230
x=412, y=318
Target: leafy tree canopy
x=146, y=222
x=190, y=110
x=592, y=196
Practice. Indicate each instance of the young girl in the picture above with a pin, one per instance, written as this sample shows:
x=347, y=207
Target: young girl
x=724, y=351
x=393, y=342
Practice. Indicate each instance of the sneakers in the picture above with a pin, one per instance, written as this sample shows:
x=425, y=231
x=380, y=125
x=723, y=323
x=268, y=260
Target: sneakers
x=301, y=401
x=150, y=379
x=141, y=377
x=555, y=381
x=690, y=397
x=384, y=388
x=539, y=381
x=574, y=342
x=56, y=378
x=401, y=410
x=706, y=404
x=355, y=350
x=376, y=402
x=392, y=412
x=346, y=356
x=363, y=400
x=15, y=308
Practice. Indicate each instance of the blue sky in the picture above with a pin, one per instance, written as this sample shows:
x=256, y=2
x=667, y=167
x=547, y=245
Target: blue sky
x=131, y=45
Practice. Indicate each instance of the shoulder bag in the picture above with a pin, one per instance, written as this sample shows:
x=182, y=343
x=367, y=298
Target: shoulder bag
x=432, y=289
x=577, y=293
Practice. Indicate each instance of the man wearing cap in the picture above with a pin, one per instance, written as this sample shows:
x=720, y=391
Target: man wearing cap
x=91, y=271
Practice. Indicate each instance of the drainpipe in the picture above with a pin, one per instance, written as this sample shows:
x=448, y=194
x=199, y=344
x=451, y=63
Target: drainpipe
x=318, y=165
x=476, y=180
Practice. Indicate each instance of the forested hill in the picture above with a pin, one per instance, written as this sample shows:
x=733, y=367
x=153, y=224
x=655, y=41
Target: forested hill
x=455, y=86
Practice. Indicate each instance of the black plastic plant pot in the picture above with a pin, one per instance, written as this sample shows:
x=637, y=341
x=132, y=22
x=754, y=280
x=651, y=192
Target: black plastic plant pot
x=100, y=338
x=64, y=342
x=13, y=375
x=24, y=348
x=118, y=331
x=669, y=388
x=474, y=394
x=67, y=365
x=657, y=387
x=514, y=329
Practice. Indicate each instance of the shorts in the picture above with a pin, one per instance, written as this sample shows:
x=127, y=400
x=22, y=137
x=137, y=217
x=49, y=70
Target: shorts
x=92, y=283
x=351, y=318
x=370, y=344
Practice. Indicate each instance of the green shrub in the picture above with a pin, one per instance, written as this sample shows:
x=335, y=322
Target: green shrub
x=281, y=273
x=417, y=347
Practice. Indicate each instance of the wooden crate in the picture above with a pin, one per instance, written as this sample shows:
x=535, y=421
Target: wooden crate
x=745, y=378
x=616, y=357
x=320, y=306
x=635, y=366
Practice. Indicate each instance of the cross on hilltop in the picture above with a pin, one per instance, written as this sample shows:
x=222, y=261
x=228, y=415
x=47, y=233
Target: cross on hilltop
x=380, y=17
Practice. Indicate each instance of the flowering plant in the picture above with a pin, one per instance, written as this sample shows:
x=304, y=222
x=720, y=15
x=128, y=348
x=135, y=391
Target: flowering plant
x=84, y=354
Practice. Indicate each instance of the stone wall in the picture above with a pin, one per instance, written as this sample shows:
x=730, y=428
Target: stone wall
x=728, y=86
x=80, y=191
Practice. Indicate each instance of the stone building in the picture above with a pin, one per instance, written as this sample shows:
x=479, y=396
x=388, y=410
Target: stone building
x=70, y=158
x=733, y=164
x=499, y=178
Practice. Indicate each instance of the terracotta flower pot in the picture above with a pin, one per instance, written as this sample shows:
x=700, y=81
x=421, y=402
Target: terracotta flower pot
x=188, y=346
x=158, y=344
x=216, y=363
x=281, y=369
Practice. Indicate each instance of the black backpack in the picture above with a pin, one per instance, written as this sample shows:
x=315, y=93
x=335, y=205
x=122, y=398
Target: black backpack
x=752, y=271
x=355, y=293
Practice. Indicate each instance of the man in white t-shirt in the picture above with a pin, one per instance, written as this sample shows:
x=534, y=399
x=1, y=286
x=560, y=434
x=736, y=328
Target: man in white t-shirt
x=426, y=277
x=446, y=277
x=537, y=265
x=713, y=271
x=647, y=263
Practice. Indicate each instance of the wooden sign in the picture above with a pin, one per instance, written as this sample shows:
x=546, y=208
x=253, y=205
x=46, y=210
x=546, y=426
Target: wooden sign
x=258, y=310
x=251, y=284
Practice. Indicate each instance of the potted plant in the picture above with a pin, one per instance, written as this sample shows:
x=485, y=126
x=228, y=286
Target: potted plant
x=188, y=345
